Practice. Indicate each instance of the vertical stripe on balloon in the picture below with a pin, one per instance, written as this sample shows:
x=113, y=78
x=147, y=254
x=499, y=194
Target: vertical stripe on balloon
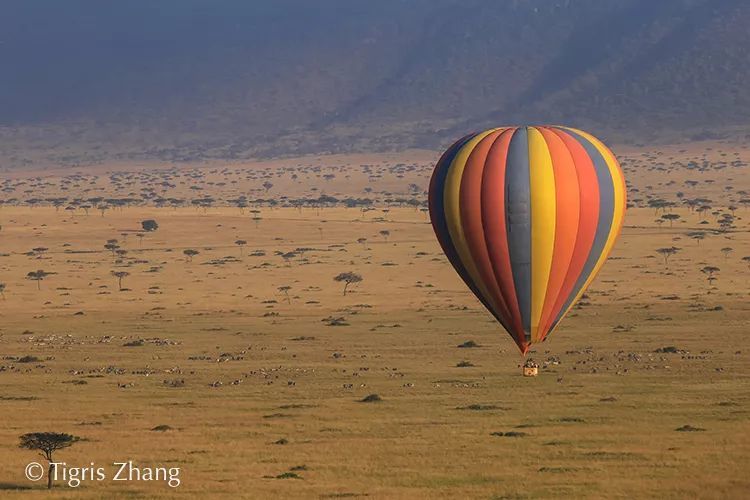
x=518, y=222
x=543, y=213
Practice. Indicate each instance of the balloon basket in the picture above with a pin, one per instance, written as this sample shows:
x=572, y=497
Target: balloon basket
x=530, y=368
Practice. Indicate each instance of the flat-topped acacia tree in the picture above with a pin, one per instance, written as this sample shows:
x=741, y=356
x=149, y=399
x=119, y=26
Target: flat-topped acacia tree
x=667, y=252
x=241, y=243
x=190, y=253
x=710, y=272
x=47, y=443
x=671, y=218
x=348, y=278
x=112, y=246
x=120, y=275
x=38, y=276
x=285, y=290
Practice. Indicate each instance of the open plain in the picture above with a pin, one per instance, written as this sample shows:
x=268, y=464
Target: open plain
x=220, y=342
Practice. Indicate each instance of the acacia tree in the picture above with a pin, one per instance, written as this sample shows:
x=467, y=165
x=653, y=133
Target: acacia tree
x=285, y=290
x=288, y=256
x=256, y=216
x=698, y=236
x=726, y=251
x=744, y=259
x=47, y=443
x=710, y=272
x=2, y=289
x=190, y=253
x=348, y=278
x=112, y=246
x=120, y=275
x=385, y=234
x=667, y=252
x=37, y=276
x=240, y=243
x=671, y=218
x=39, y=251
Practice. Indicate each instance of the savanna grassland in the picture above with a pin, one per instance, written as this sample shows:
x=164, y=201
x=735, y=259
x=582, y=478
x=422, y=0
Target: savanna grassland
x=225, y=347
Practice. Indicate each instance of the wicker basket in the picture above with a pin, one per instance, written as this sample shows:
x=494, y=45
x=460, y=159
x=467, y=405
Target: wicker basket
x=530, y=371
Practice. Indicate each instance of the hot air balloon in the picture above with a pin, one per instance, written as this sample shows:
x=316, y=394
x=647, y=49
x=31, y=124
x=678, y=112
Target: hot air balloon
x=527, y=216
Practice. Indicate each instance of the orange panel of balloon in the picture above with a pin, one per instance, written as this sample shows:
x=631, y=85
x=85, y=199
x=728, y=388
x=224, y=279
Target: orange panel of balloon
x=527, y=216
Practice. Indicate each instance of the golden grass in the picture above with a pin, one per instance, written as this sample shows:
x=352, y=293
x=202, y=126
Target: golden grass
x=600, y=424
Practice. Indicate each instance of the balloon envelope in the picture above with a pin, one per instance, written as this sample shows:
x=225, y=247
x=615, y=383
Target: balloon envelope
x=527, y=217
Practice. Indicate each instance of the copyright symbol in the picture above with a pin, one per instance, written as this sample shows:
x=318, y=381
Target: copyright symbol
x=34, y=471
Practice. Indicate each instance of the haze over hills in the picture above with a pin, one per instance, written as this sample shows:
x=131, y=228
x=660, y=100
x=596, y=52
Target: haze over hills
x=86, y=81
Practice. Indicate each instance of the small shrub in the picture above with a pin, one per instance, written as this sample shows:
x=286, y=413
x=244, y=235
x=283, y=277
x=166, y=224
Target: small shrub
x=288, y=475
x=689, y=428
x=468, y=344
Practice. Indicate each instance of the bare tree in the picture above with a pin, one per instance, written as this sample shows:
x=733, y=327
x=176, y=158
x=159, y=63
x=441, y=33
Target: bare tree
x=348, y=279
x=47, y=443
